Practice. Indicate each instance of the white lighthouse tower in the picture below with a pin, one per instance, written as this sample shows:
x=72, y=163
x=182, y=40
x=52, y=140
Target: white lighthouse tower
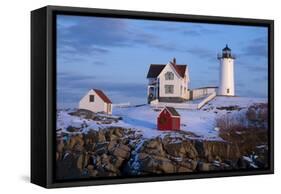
x=226, y=86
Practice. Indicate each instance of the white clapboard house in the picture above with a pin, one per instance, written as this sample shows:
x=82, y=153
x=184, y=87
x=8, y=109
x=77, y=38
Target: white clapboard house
x=96, y=101
x=168, y=83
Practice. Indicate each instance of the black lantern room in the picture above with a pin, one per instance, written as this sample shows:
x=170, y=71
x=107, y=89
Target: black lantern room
x=226, y=53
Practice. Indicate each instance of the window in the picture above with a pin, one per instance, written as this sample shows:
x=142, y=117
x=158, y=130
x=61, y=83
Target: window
x=169, y=76
x=91, y=98
x=169, y=89
x=227, y=91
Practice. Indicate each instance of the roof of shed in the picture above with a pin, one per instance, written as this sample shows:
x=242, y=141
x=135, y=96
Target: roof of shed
x=172, y=110
x=102, y=96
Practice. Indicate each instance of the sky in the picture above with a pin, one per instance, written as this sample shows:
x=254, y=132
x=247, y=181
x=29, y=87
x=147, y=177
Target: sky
x=114, y=55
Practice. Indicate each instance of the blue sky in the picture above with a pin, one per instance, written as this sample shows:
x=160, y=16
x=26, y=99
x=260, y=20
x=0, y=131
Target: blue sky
x=114, y=55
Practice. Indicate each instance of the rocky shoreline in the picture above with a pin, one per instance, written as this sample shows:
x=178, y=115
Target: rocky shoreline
x=116, y=151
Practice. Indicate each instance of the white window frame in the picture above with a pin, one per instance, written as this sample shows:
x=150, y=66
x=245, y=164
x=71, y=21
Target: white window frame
x=169, y=89
x=169, y=75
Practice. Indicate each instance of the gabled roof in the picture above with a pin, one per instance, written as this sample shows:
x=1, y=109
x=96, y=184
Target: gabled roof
x=155, y=70
x=180, y=69
x=102, y=96
x=172, y=110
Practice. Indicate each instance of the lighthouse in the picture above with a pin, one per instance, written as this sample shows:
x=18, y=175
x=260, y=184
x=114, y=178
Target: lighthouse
x=226, y=85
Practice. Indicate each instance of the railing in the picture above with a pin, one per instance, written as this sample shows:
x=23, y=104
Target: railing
x=191, y=106
x=122, y=105
x=206, y=100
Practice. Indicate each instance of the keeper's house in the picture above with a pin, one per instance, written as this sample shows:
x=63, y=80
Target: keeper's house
x=168, y=83
x=96, y=101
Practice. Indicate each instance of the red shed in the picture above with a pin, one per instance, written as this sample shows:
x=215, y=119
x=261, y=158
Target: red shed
x=168, y=119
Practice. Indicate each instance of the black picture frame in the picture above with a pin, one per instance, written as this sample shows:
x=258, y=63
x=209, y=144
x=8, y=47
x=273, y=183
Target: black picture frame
x=43, y=92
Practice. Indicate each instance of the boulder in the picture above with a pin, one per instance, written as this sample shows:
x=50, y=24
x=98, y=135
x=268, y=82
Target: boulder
x=118, y=162
x=148, y=164
x=204, y=166
x=175, y=149
x=100, y=137
x=166, y=165
x=110, y=167
x=182, y=169
x=118, y=152
x=112, y=145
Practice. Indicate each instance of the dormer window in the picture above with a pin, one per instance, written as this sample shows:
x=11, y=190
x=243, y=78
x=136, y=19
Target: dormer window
x=169, y=76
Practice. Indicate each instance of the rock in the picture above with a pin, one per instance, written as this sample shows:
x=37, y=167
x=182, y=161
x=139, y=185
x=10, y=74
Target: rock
x=78, y=148
x=113, y=137
x=67, y=167
x=203, y=166
x=105, y=159
x=101, y=151
x=118, y=152
x=124, y=147
x=74, y=140
x=110, y=167
x=118, y=162
x=182, y=169
x=112, y=145
x=190, y=150
x=188, y=163
x=72, y=129
x=100, y=137
x=148, y=164
x=118, y=132
x=60, y=147
x=175, y=149
x=166, y=165
x=199, y=146
x=142, y=155
x=80, y=162
x=101, y=145
x=154, y=143
x=96, y=160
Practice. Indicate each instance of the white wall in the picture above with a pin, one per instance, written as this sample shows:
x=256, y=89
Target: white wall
x=201, y=92
x=97, y=106
x=15, y=108
x=176, y=82
x=227, y=68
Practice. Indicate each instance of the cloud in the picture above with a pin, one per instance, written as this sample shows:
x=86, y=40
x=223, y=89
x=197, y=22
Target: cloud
x=257, y=47
x=193, y=30
x=73, y=86
x=202, y=53
x=97, y=35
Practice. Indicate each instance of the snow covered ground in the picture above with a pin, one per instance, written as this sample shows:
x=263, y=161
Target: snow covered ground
x=144, y=118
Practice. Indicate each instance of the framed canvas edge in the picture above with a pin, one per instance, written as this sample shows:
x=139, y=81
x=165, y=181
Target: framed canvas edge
x=51, y=86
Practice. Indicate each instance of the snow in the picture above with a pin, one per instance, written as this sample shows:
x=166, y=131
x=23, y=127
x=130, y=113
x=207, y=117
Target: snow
x=144, y=118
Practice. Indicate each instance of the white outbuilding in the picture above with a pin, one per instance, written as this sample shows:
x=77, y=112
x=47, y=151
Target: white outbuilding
x=96, y=101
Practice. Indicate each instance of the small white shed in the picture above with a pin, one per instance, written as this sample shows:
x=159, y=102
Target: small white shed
x=96, y=101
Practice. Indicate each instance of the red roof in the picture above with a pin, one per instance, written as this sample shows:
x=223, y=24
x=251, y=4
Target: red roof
x=180, y=69
x=172, y=111
x=155, y=70
x=102, y=96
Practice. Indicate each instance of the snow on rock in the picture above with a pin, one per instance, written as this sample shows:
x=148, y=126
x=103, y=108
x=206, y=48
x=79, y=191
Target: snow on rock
x=143, y=118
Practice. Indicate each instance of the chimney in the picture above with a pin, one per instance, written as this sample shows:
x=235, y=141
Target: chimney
x=173, y=62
